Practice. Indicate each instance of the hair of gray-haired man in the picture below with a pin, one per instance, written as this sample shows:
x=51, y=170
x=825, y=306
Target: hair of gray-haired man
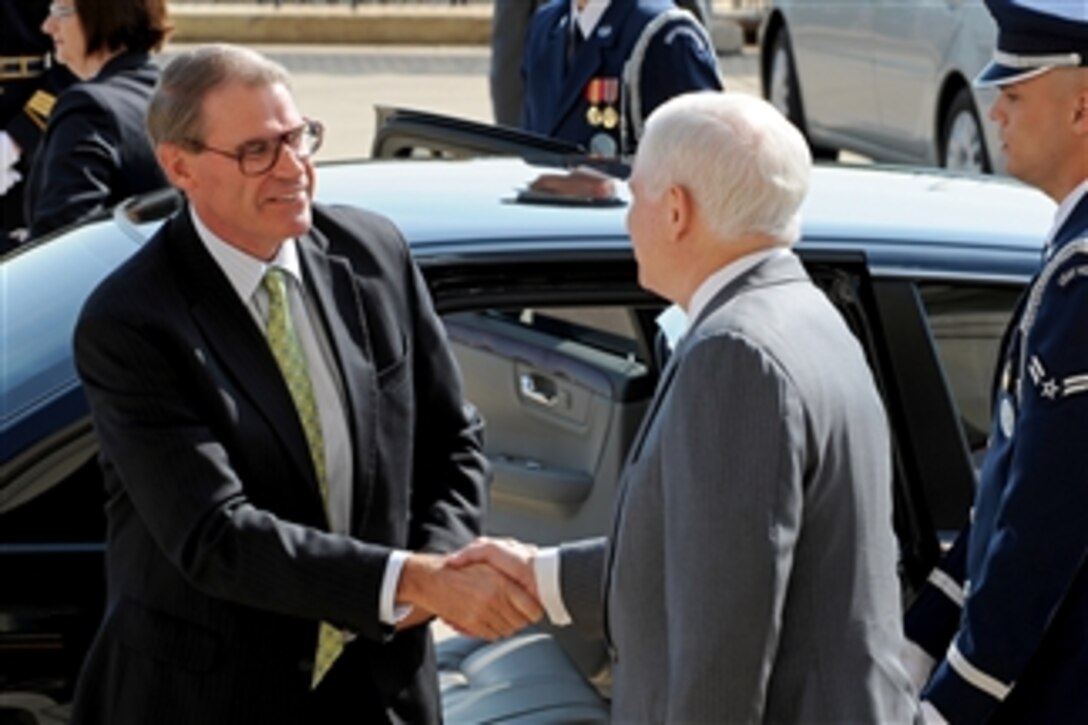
x=174, y=113
x=745, y=166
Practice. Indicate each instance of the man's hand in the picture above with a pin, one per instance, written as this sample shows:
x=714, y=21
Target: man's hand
x=474, y=599
x=510, y=556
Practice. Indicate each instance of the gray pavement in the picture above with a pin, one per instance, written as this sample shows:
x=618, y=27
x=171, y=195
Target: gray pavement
x=340, y=85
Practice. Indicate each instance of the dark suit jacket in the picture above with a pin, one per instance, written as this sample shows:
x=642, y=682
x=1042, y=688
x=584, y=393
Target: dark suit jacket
x=751, y=572
x=95, y=151
x=219, y=560
x=555, y=104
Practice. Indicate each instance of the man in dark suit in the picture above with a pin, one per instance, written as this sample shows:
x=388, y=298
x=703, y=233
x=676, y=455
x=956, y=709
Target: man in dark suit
x=750, y=574
x=1000, y=632
x=595, y=69
x=286, y=451
x=29, y=84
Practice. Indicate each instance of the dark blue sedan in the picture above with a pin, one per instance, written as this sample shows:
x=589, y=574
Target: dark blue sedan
x=556, y=344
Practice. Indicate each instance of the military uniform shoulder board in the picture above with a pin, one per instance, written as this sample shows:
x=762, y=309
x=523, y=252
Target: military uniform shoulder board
x=39, y=107
x=632, y=69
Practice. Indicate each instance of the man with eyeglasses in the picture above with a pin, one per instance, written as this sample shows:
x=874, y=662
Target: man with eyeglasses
x=287, y=455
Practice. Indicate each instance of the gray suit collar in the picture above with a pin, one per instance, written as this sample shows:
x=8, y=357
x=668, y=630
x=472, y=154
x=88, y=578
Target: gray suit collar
x=779, y=269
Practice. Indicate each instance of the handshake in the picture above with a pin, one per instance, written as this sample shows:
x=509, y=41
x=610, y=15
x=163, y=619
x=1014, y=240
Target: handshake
x=487, y=589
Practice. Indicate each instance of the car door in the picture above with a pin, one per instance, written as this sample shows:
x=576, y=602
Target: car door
x=562, y=370
x=834, y=47
x=915, y=40
x=560, y=365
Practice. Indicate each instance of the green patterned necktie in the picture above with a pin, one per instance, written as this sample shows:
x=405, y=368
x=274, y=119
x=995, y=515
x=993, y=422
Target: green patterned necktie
x=292, y=363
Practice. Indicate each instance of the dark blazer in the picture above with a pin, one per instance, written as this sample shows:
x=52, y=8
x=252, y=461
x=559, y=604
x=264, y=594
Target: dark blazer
x=95, y=151
x=677, y=60
x=1019, y=629
x=750, y=576
x=219, y=560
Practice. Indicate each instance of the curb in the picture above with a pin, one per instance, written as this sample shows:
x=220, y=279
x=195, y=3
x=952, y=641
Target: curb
x=365, y=25
x=334, y=25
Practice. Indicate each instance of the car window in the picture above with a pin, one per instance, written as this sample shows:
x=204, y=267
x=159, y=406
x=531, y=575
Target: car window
x=608, y=328
x=967, y=322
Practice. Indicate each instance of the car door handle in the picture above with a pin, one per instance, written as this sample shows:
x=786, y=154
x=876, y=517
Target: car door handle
x=539, y=389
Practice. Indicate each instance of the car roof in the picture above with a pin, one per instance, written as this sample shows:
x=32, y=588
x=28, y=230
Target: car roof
x=886, y=212
x=905, y=222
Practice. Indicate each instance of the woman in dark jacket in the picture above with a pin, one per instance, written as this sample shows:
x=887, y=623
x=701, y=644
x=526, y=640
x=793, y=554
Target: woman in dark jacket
x=95, y=151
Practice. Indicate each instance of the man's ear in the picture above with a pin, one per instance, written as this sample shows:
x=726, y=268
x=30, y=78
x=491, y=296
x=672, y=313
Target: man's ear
x=176, y=164
x=681, y=211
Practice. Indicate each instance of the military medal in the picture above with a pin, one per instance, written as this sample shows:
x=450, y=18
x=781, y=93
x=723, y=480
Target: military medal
x=594, y=93
x=603, y=145
x=610, y=117
x=601, y=95
x=610, y=96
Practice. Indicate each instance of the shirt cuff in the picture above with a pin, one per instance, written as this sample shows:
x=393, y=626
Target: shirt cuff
x=388, y=611
x=917, y=662
x=546, y=571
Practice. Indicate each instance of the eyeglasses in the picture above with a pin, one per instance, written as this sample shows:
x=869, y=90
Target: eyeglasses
x=260, y=155
x=58, y=11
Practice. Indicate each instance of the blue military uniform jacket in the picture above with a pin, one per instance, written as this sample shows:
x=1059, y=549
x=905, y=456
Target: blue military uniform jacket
x=676, y=57
x=95, y=152
x=1007, y=609
x=29, y=84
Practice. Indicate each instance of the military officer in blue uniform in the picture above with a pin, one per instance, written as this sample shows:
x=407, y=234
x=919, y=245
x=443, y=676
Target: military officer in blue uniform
x=1000, y=632
x=29, y=84
x=595, y=69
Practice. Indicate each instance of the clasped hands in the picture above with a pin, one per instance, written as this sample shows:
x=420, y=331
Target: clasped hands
x=487, y=589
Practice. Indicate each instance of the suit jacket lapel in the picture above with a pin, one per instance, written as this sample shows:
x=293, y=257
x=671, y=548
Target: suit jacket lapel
x=331, y=279
x=586, y=63
x=233, y=335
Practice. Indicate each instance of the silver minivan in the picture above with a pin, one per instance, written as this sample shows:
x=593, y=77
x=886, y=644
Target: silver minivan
x=887, y=79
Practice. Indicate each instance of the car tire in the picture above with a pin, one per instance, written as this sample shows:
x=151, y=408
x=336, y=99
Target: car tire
x=963, y=143
x=783, y=91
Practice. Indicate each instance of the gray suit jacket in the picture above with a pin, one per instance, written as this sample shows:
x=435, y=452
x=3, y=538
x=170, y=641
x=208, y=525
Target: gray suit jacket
x=751, y=571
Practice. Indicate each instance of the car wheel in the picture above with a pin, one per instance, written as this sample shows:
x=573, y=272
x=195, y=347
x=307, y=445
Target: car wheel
x=784, y=92
x=963, y=147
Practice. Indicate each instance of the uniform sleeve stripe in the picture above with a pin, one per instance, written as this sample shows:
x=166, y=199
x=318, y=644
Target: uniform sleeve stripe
x=947, y=585
x=976, y=677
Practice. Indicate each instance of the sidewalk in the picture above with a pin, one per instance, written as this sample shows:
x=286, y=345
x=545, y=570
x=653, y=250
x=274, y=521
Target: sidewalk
x=251, y=23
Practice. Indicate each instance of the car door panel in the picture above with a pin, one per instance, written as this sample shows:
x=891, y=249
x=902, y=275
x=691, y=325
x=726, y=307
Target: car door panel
x=560, y=414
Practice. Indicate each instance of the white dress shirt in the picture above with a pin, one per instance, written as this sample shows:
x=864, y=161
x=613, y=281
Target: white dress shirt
x=588, y=17
x=245, y=274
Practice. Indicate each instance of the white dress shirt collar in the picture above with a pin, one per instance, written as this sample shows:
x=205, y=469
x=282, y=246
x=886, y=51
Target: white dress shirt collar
x=588, y=17
x=1065, y=209
x=246, y=272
